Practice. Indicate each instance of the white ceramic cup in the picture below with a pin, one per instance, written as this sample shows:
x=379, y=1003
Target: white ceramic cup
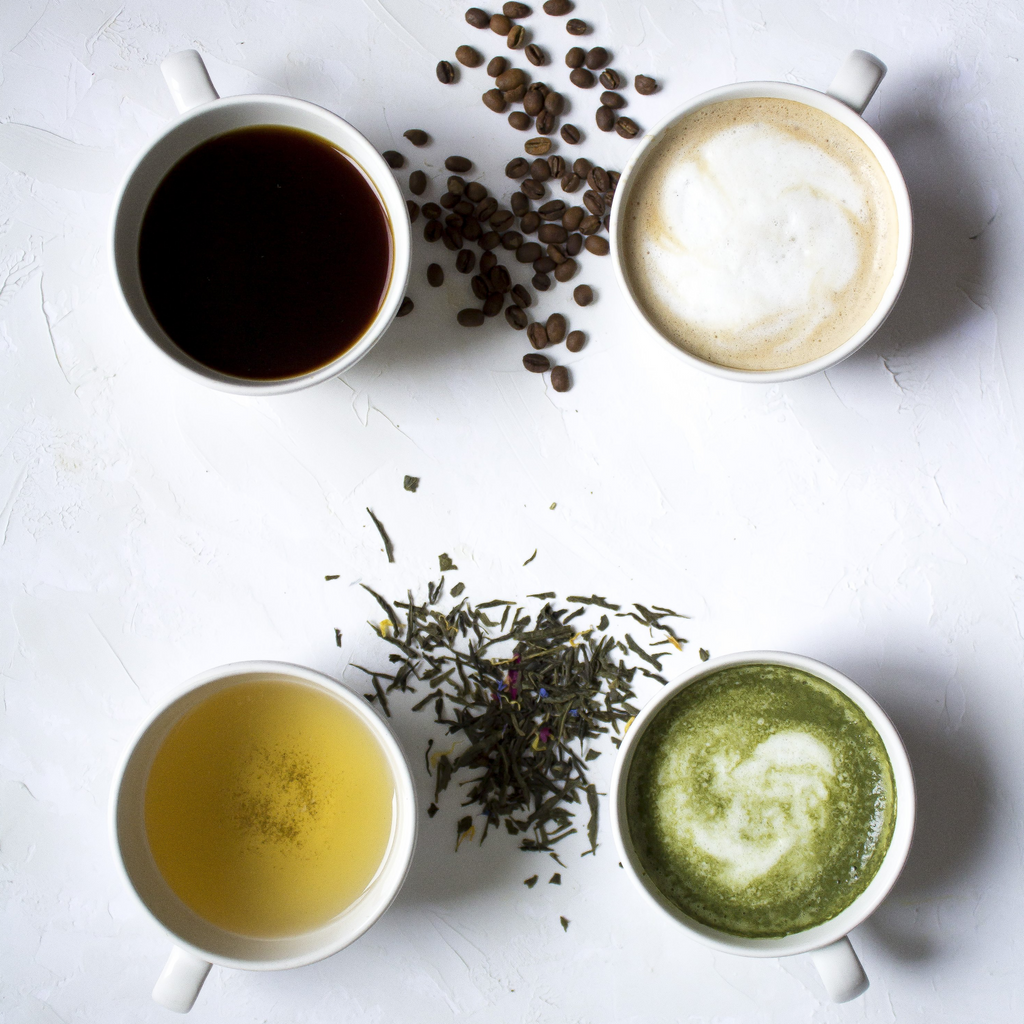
x=845, y=100
x=197, y=942
x=841, y=972
x=204, y=116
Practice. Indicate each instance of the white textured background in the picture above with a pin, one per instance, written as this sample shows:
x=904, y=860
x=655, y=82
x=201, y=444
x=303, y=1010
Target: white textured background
x=150, y=528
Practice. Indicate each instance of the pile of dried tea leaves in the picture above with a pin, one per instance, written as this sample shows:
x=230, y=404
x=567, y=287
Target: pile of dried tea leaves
x=526, y=693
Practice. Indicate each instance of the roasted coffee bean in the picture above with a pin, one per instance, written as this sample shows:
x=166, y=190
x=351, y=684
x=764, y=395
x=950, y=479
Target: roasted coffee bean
x=481, y=289
x=435, y=275
x=445, y=72
x=417, y=136
x=431, y=211
x=597, y=244
x=574, y=244
x=432, y=230
x=519, y=203
x=570, y=133
x=611, y=79
x=516, y=317
x=570, y=182
x=516, y=168
x=417, y=183
x=464, y=208
x=499, y=279
x=575, y=57
x=554, y=102
x=470, y=317
x=455, y=220
x=538, y=337
x=521, y=297
x=589, y=225
x=406, y=307
x=599, y=179
x=452, y=239
x=575, y=340
x=541, y=282
x=471, y=230
x=511, y=240
x=493, y=304
x=556, y=165
x=644, y=85
x=394, y=159
x=627, y=127
x=500, y=24
x=605, y=118
x=456, y=184
x=510, y=79
x=555, y=253
x=494, y=100
x=584, y=296
x=458, y=163
x=490, y=240
x=535, y=55
x=594, y=203
x=538, y=146
x=520, y=121
x=488, y=262
x=502, y=220
x=464, y=261
x=516, y=37
x=613, y=179
x=536, y=363
x=468, y=57
x=478, y=18
x=552, y=233
x=539, y=169
x=514, y=95
x=596, y=58
x=528, y=252
x=531, y=220
x=475, y=191
x=565, y=271
x=515, y=10
x=552, y=210
x=545, y=122
x=572, y=217
x=448, y=200
x=556, y=8
x=581, y=78
x=544, y=265
x=486, y=208
x=414, y=210
x=615, y=100
x=575, y=27
x=581, y=166
x=496, y=65
x=533, y=102
x=555, y=328
x=541, y=87
x=560, y=379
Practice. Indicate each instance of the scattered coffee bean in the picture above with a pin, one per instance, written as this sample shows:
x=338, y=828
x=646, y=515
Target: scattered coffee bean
x=572, y=218
x=552, y=210
x=615, y=100
x=528, y=252
x=475, y=191
x=431, y=210
x=581, y=166
x=417, y=136
x=531, y=220
x=597, y=244
x=464, y=261
x=575, y=340
x=448, y=200
x=613, y=179
x=535, y=55
x=486, y=208
x=556, y=165
x=458, y=163
x=521, y=297
x=510, y=79
x=456, y=185
x=537, y=335
x=515, y=95
x=590, y=225
x=394, y=159
x=478, y=18
x=552, y=233
x=555, y=253
x=516, y=168
x=560, y=380
x=432, y=230
x=605, y=118
x=555, y=328
x=596, y=58
x=516, y=317
x=627, y=127
x=488, y=262
x=566, y=271
x=570, y=182
x=493, y=304
x=515, y=10
x=644, y=85
x=556, y=8
x=584, y=296
x=471, y=230
x=519, y=203
x=541, y=282
x=490, y=240
x=533, y=102
x=435, y=275
x=594, y=203
x=545, y=122
x=445, y=72
x=575, y=56
x=499, y=280
x=544, y=265
x=539, y=169
x=611, y=79
x=406, y=307
x=494, y=100
x=538, y=147
x=598, y=179
x=574, y=244
x=496, y=66
x=452, y=239
x=511, y=240
x=570, y=133
x=502, y=220
x=463, y=207
x=520, y=121
x=581, y=78
x=500, y=25
x=576, y=27
x=536, y=363
x=481, y=289
x=470, y=317
x=516, y=37
x=553, y=103
x=414, y=210
x=468, y=57
x=417, y=183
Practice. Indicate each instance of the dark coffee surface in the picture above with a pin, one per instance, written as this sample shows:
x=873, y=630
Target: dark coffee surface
x=265, y=253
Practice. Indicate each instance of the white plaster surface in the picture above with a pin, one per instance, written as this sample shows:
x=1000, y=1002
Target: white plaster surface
x=150, y=528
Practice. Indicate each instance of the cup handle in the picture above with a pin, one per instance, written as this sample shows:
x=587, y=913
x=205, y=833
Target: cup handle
x=181, y=979
x=857, y=80
x=840, y=970
x=189, y=81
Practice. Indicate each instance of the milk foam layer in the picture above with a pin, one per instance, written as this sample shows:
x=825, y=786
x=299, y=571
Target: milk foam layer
x=760, y=233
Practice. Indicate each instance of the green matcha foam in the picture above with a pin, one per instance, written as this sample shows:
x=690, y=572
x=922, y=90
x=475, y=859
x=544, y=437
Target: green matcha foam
x=760, y=800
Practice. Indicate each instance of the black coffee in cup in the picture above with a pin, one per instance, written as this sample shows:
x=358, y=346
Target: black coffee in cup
x=265, y=253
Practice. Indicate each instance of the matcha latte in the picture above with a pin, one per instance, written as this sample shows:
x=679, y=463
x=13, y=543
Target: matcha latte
x=760, y=801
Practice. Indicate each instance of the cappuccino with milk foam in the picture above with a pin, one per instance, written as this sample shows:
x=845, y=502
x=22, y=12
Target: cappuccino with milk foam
x=760, y=233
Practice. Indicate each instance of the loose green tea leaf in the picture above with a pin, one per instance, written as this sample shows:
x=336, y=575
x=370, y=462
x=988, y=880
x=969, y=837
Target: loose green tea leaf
x=332, y=578
x=544, y=596
x=552, y=506
x=447, y=564
x=565, y=923
x=531, y=558
x=595, y=600
x=530, y=882
x=592, y=824
x=431, y=810
x=555, y=879
x=388, y=548
x=458, y=589
x=704, y=655
x=411, y=483
x=337, y=636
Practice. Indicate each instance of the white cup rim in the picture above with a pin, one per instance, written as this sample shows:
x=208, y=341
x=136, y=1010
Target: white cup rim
x=374, y=168
x=852, y=120
x=398, y=858
x=888, y=871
